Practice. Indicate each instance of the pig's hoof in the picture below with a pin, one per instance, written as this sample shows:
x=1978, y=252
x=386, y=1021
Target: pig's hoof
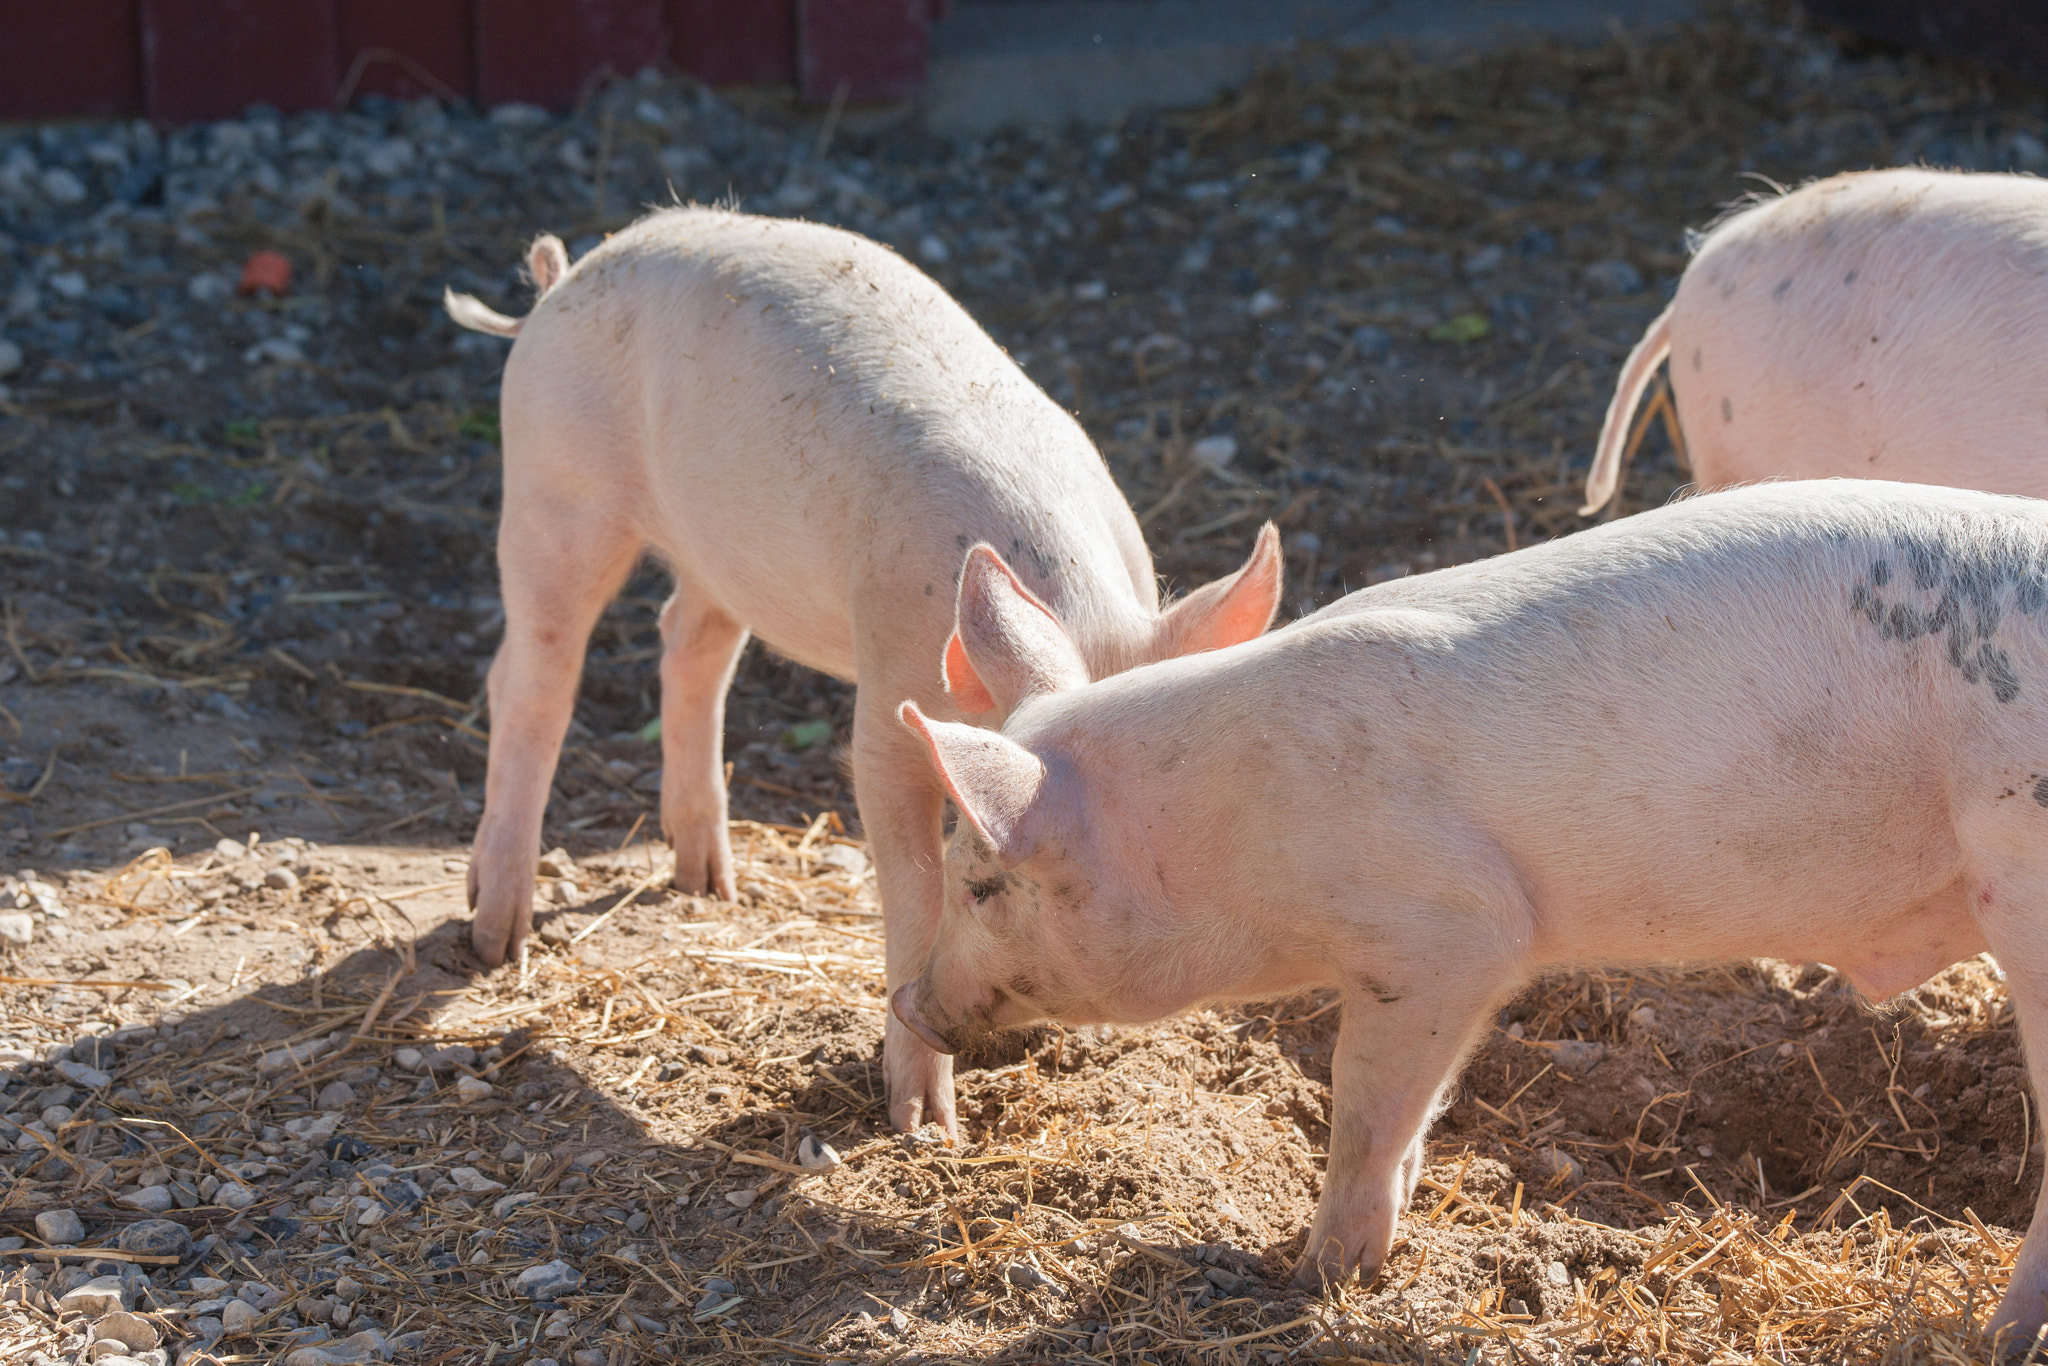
x=704, y=865
x=920, y=1083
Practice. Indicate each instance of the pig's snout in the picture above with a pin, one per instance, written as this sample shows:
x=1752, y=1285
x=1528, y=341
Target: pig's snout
x=904, y=1004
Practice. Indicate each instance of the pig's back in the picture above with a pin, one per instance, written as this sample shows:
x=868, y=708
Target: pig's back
x=1888, y=325
x=810, y=413
x=1755, y=719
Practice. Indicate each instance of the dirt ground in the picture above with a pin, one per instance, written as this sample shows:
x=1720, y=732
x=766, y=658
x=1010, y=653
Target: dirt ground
x=247, y=606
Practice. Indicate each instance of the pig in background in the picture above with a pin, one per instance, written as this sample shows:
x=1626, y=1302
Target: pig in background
x=1878, y=325
x=810, y=434
x=1799, y=720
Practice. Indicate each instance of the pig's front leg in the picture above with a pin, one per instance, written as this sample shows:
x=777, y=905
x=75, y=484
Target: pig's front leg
x=903, y=810
x=700, y=648
x=1392, y=1062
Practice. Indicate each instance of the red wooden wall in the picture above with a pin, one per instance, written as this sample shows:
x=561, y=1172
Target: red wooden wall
x=179, y=60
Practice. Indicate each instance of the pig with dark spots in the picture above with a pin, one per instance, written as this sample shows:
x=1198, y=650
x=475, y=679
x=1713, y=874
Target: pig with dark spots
x=1672, y=738
x=809, y=433
x=1879, y=325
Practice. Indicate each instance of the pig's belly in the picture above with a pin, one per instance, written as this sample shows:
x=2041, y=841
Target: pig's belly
x=1876, y=888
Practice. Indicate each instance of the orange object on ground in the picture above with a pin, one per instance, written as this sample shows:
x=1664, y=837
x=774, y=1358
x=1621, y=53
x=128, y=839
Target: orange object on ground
x=266, y=270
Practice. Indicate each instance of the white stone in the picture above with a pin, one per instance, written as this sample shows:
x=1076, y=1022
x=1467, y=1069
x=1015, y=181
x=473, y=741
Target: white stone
x=547, y=1280
x=1215, y=451
x=315, y=1128
x=845, y=858
x=98, y=1296
x=1264, y=304
x=411, y=1059
x=234, y=1195
x=132, y=1331
x=469, y=1090
x=816, y=1154
x=475, y=1182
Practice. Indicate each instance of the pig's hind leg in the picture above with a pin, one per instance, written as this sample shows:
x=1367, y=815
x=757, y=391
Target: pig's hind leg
x=1394, y=1057
x=2012, y=906
x=558, y=566
x=700, y=649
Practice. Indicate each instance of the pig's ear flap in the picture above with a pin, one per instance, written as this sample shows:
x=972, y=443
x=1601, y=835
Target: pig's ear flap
x=1006, y=645
x=993, y=780
x=1228, y=611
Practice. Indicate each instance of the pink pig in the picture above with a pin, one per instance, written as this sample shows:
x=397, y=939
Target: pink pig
x=1880, y=325
x=810, y=434
x=1800, y=720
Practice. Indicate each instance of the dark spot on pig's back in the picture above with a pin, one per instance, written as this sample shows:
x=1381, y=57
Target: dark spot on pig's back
x=2041, y=792
x=1727, y=409
x=1784, y=288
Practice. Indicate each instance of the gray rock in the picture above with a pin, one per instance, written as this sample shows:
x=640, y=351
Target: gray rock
x=155, y=1237
x=1559, y=1168
x=1025, y=1276
x=336, y=1095
x=587, y=1356
x=61, y=1228
x=1613, y=277
x=547, y=1280
x=1576, y=1056
x=469, y=1090
x=62, y=186
x=1229, y=1282
x=17, y=928
x=348, y=1289
x=149, y=1199
x=282, y=879
x=91, y=1078
x=474, y=1182
x=234, y=1195
x=237, y=1317
x=100, y=1295
x=366, y=1345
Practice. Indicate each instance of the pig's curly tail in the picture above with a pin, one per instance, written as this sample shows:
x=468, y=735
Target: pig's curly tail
x=547, y=260
x=1604, y=479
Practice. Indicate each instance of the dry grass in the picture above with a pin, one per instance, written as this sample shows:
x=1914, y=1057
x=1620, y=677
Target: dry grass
x=991, y=1249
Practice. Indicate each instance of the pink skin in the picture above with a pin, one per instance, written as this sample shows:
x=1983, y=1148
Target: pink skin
x=1879, y=325
x=1601, y=749
x=811, y=435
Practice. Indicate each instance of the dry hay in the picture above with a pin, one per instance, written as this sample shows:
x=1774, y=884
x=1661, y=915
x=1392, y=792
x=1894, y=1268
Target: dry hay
x=654, y=1064
x=1756, y=1167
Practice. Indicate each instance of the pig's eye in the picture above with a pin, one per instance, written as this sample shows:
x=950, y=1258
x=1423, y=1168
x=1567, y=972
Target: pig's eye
x=981, y=889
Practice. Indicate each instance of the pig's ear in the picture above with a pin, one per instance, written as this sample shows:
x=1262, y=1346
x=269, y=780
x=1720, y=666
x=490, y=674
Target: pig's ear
x=1006, y=644
x=993, y=780
x=963, y=684
x=1228, y=611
